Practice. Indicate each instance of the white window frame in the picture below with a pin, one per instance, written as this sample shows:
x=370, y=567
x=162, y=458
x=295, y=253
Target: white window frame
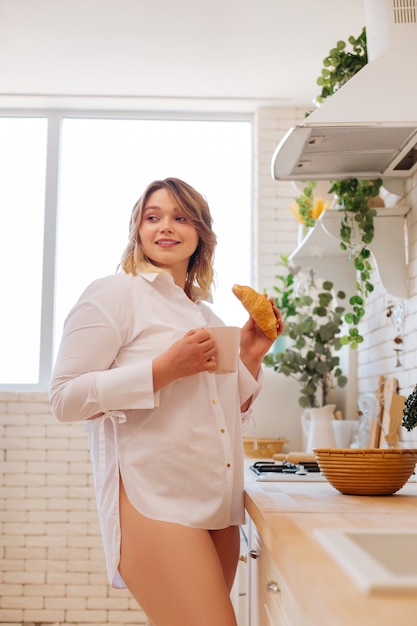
x=54, y=134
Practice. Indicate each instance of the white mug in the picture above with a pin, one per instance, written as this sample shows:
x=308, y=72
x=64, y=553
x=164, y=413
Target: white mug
x=227, y=340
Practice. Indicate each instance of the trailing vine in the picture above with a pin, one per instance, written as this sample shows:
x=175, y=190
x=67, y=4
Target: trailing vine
x=354, y=196
x=357, y=232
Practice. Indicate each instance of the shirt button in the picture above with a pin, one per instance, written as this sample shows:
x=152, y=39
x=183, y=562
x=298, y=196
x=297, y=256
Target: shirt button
x=222, y=430
x=214, y=401
x=227, y=464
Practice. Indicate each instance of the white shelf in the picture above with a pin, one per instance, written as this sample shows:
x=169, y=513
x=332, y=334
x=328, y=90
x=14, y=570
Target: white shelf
x=320, y=250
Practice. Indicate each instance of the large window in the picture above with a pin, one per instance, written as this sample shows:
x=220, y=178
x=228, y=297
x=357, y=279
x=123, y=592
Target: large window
x=22, y=202
x=94, y=169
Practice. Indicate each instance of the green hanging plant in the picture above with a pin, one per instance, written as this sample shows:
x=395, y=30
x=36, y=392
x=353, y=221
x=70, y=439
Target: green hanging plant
x=354, y=196
x=410, y=411
x=308, y=207
x=356, y=233
x=341, y=64
x=305, y=204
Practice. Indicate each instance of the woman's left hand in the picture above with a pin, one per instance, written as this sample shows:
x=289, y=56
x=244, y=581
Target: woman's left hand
x=254, y=344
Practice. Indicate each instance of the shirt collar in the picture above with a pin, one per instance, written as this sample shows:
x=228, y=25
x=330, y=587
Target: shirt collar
x=151, y=276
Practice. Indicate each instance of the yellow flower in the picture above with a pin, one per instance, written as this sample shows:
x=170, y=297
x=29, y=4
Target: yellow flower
x=296, y=210
x=319, y=206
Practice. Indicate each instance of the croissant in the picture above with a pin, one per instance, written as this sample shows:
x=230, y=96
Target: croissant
x=259, y=308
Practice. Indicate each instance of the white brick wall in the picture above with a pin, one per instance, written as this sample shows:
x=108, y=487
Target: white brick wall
x=52, y=567
x=378, y=356
x=275, y=226
x=277, y=233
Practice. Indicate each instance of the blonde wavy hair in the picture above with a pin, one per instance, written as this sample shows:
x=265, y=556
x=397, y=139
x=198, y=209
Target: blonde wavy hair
x=200, y=275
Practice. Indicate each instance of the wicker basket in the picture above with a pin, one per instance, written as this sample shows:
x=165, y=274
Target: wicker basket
x=266, y=447
x=366, y=471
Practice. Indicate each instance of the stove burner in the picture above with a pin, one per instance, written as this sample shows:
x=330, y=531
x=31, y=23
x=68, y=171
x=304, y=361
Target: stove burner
x=283, y=467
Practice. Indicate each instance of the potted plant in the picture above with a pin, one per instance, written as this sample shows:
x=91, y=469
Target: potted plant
x=285, y=293
x=409, y=420
x=313, y=324
x=341, y=64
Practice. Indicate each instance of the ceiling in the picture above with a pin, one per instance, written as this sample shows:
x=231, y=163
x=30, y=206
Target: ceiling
x=220, y=55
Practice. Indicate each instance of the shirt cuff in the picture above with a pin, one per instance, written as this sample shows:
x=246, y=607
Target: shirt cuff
x=128, y=387
x=248, y=385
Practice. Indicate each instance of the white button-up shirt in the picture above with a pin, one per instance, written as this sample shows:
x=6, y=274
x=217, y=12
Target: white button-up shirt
x=178, y=450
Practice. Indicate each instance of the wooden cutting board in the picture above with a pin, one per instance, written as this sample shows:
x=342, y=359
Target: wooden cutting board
x=390, y=388
x=396, y=416
x=375, y=429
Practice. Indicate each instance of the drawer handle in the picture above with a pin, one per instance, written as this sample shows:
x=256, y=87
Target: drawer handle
x=273, y=587
x=254, y=554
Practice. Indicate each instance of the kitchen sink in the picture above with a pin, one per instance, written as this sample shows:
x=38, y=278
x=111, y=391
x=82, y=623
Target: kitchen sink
x=375, y=559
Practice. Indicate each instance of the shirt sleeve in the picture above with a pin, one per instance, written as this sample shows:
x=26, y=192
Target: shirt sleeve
x=248, y=385
x=85, y=381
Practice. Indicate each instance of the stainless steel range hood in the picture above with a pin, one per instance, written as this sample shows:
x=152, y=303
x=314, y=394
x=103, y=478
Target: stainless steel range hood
x=368, y=128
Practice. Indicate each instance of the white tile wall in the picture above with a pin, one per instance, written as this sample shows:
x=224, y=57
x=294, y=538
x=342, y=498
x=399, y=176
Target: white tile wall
x=377, y=356
x=275, y=226
x=52, y=567
x=277, y=233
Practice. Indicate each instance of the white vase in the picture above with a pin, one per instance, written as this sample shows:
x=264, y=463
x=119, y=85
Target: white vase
x=318, y=428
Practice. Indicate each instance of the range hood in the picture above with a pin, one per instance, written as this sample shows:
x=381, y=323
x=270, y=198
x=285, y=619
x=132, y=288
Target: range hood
x=368, y=128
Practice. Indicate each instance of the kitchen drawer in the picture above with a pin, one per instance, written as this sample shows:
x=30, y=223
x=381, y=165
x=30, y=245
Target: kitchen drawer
x=279, y=604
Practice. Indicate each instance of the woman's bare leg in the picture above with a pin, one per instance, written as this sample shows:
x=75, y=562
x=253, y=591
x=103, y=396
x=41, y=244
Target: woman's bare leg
x=174, y=572
x=227, y=544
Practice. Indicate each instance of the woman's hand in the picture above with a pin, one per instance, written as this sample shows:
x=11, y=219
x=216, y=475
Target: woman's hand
x=254, y=344
x=194, y=353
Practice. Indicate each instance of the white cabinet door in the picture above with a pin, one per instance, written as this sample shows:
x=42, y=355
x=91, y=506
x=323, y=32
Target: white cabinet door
x=270, y=601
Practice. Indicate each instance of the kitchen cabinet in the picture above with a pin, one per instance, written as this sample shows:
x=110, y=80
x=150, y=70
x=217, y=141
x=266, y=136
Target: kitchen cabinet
x=270, y=601
x=311, y=588
x=240, y=587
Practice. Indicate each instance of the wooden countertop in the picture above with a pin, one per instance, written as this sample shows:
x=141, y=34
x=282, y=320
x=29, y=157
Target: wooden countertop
x=286, y=515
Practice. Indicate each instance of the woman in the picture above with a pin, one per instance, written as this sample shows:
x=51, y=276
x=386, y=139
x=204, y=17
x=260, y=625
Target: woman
x=136, y=362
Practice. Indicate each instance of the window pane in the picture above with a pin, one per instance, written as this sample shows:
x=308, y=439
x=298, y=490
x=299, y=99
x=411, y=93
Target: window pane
x=105, y=166
x=22, y=191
